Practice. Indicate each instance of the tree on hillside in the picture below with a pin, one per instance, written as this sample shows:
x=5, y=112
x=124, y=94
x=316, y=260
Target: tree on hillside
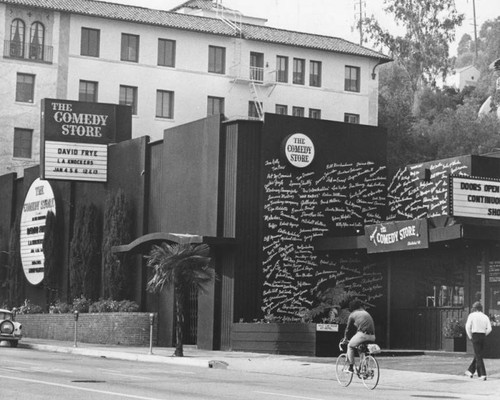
x=423, y=50
x=179, y=266
x=459, y=131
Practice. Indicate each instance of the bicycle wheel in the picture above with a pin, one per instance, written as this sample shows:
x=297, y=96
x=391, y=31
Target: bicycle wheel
x=370, y=372
x=344, y=377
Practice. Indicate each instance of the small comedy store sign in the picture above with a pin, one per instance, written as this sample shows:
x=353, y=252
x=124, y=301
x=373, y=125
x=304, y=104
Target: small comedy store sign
x=397, y=235
x=75, y=138
x=299, y=150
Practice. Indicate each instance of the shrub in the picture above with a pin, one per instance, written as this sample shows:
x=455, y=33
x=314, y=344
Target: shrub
x=117, y=228
x=109, y=305
x=60, y=308
x=81, y=304
x=28, y=308
x=453, y=328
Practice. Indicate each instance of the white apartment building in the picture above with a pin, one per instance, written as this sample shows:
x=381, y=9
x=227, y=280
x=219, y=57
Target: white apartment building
x=172, y=67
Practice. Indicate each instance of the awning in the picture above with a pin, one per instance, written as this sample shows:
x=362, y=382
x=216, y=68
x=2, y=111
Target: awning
x=143, y=244
x=441, y=229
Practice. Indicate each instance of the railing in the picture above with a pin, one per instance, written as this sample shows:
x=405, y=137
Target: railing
x=256, y=74
x=19, y=50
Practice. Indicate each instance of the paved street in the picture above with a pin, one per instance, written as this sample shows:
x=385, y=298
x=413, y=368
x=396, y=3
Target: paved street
x=104, y=373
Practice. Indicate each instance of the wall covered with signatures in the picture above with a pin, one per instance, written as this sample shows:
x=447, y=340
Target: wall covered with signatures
x=340, y=192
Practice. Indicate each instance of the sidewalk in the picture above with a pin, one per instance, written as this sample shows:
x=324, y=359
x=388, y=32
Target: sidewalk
x=430, y=372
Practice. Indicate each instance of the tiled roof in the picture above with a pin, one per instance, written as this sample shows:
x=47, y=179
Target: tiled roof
x=201, y=4
x=214, y=26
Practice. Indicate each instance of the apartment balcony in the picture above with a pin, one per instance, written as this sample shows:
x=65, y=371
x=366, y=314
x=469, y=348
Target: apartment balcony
x=31, y=52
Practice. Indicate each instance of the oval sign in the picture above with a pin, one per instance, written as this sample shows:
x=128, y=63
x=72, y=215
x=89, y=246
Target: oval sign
x=38, y=202
x=299, y=150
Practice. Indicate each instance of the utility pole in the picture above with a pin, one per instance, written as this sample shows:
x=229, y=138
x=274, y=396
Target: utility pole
x=360, y=4
x=475, y=29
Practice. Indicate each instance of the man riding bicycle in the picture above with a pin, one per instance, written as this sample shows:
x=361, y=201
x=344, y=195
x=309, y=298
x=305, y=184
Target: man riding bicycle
x=360, y=329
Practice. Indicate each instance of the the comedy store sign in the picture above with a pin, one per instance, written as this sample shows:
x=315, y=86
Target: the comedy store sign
x=299, y=150
x=396, y=236
x=75, y=138
x=38, y=202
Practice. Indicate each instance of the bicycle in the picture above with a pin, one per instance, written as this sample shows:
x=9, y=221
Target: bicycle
x=367, y=368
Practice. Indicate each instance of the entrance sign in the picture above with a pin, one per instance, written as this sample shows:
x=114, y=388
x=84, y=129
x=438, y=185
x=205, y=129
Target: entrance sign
x=38, y=202
x=397, y=235
x=299, y=150
x=474, y=197
x=75, y=138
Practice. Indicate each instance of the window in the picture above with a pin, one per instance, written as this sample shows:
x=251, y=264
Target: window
x=90, y=42
x=128, y=97
x=216, y=60
x=88, y=91
x=22, y=142
x=130, y=47
x=255, y=109
x=351, y=118
x=17, y=31
x=215, y=105
x=281, y=109
x=37, y=41
x=314, y=113
x=298, y=111
x=352, y=79
x=315, y=73
x=281, y=69
x=25, y=88
x=166, y=52
x=256, y=66
x=164, y=104
x=298, y=71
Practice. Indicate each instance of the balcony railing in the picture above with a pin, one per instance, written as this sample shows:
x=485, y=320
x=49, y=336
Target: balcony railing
x=21, y=51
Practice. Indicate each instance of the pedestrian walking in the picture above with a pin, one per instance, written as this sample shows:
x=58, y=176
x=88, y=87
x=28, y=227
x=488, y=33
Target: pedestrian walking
x=478, y=326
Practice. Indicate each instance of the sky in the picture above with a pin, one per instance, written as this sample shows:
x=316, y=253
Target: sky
x=331, y=17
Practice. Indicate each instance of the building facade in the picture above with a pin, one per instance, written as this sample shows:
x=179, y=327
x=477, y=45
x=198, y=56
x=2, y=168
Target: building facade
x=172, y=67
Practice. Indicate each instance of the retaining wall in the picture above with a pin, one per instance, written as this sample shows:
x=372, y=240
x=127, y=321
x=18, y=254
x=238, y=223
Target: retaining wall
x=132, y=329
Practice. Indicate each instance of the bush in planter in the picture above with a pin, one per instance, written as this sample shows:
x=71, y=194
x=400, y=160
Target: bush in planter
x=332, y=306
x=453, y=328
x=28, y=308
x=109, y=305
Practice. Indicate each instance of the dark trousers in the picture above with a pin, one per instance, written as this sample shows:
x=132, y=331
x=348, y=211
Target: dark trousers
x=478, y=363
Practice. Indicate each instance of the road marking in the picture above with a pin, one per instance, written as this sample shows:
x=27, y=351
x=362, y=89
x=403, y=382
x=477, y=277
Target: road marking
x=135, y=377
x=61, y=385
x=290, y=396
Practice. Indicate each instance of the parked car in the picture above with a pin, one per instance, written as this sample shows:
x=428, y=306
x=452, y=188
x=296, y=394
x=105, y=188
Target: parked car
x=10, y=330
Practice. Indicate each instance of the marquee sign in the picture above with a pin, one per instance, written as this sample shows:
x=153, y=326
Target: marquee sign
x=38, y=202
x=397, y=235
x=299, y=150
x=75, y=138
x=474, y=197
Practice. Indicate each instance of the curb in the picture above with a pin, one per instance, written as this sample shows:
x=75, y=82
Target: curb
x=117, y=355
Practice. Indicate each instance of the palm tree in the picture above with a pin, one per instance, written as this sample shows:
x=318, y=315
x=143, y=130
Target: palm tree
x=181, y=265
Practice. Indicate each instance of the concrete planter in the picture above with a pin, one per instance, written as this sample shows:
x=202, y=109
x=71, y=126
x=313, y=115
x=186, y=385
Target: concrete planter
x=454, y=344
x=131, y=329
x=285, y=338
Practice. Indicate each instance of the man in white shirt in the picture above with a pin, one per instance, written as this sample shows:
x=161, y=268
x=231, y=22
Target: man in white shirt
x=478, y=326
